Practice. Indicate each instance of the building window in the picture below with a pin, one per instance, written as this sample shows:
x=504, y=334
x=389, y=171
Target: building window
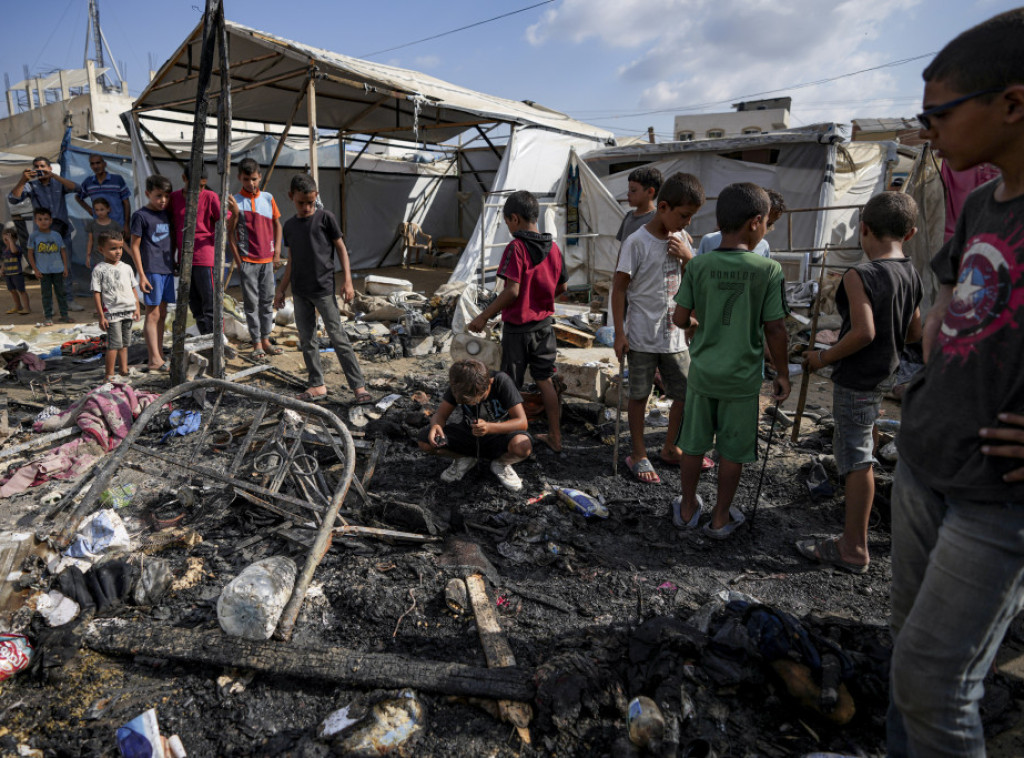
x=716, y=133
x=685, y=136
x=752, y=130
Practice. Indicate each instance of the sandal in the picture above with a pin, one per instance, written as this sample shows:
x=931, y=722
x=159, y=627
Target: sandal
x=47, y=323
x=258, y=355
x=642, y=466
x=307, y=398
x=363, y=398
x=12, y=311
x=274, y=350
x=736, y=520
x=677, y=517
x=826, y=552
x=163, y=367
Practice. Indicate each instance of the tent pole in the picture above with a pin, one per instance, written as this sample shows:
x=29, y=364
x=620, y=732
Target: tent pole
x=284, y=136
x=314, y=169
x=188, y=237
x=161, y=145
x=224, y=169
x=341, y=184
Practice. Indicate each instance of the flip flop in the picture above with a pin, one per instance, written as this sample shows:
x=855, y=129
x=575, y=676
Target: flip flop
x=307, y=398
x=363, y=398
x=826, y=552
x=274, y=350
x=162, y=368
x=642, y=466
x=736, y=520
x=258, y=355
x=13, y=311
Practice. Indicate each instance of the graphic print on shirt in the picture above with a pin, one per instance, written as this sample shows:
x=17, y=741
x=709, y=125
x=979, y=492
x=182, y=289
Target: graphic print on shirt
x=47, y=247
x=490, y=409
x=988, y=293
x=160, y=233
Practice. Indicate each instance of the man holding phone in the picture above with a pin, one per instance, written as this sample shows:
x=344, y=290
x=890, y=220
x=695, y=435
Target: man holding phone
x=48, y=190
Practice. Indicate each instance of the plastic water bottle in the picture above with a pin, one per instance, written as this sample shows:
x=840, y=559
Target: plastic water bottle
x=251, y=604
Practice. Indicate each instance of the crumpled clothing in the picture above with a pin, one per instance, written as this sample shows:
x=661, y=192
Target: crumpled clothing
x=182, y=423
x=69, y=461
x=105, y=415
x=102, y=531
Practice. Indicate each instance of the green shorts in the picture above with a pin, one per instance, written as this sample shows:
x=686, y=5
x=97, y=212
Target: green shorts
x=731, y=425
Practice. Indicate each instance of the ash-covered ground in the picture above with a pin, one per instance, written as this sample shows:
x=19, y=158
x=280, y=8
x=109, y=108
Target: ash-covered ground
x=600, y=610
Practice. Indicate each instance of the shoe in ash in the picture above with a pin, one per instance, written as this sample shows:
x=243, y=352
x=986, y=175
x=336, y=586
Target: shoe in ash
x=459, y=468
x=507, y=476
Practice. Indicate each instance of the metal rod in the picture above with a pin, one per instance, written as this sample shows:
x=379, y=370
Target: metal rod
x=764, y=465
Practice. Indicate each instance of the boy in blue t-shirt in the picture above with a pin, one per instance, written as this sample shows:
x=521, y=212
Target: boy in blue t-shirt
x=49, y=261
x=154, y=261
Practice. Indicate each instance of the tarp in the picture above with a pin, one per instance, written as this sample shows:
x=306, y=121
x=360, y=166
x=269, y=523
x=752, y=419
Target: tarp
x=353, y=95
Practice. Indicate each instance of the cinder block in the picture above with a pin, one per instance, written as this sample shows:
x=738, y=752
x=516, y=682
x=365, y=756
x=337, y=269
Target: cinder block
x=585, y=381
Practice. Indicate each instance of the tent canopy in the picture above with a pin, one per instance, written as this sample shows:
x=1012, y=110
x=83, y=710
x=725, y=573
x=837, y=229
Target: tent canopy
x=270, y=75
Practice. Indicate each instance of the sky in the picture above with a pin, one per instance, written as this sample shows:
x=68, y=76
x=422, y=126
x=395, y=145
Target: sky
x=623, y=65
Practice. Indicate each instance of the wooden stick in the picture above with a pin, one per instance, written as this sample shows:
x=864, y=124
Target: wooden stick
x=323, y=663
x=805, y=379
x=497, y=651
x=618, y=416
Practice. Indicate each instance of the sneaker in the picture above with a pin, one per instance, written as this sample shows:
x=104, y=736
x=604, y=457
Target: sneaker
x=459, y=468
x=507, y=476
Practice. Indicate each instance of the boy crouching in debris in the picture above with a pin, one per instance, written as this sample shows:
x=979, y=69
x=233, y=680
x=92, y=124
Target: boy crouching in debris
x=493, y=424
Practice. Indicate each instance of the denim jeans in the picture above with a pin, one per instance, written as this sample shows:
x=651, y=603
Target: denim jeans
x=957, y=583
x=306, y=309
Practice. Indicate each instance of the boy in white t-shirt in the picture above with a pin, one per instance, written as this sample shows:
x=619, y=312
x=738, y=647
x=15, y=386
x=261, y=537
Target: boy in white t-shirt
x=113, y=286
x=648, y=273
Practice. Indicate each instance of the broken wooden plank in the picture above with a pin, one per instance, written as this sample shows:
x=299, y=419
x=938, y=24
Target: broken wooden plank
x=572, y=336
x=371, y=531
x=323, y=663
x=379, y=448
x=38, y=441
x=497, y=651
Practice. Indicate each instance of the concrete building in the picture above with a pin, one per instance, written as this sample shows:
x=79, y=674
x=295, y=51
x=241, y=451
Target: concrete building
x=906, y=131
x=750, y=117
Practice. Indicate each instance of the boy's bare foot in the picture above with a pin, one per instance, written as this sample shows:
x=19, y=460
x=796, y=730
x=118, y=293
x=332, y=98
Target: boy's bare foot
x=553, y=442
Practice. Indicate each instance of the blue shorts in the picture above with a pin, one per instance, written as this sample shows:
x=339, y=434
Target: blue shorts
x=855, y=413
x=15, y=282
x=162, y=292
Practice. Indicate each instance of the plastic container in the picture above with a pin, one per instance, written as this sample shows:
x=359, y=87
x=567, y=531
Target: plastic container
x=250, y=604
x=385, y=285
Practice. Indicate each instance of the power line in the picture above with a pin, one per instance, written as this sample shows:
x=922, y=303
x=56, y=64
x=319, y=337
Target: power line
x=460, y=29
x=790, y=88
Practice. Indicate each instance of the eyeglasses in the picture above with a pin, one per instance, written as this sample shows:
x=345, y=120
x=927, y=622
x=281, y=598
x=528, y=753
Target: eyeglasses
x=926, y=118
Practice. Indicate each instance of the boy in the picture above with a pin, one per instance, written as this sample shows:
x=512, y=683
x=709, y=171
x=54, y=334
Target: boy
x=15, y=277
x=493, y=424
x=958, y=505
x=713, y=240
x=154, y=262
x=49, y=261
x=256, y=245
x=313, y=238
x=878, y=302
x=100, y=222
x=113, y=286
x=650, y=265
x=531, y=267
x=643, y=186
x=200, y=293
x=739, y=296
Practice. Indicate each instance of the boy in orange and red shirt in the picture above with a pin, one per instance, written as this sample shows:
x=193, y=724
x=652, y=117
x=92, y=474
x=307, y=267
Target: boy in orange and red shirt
x=256, y=245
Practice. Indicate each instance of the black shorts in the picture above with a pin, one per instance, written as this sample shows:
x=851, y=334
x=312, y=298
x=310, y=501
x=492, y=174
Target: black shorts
x=462, y=441
x=536, y=349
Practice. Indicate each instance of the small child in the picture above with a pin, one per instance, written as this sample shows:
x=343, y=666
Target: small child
x=154, y=262
x=13, y=274
x=739, y=296
x=256, y=245
x=49, y=261
x=958, y=495
x=650, y=265
x=713, y=240
x=201, y=285
x=878, y=302
x=493, y=424
x=100, y=222
x=531, y=266
x=643, y=185
x=113, y=286
x=313, y=238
